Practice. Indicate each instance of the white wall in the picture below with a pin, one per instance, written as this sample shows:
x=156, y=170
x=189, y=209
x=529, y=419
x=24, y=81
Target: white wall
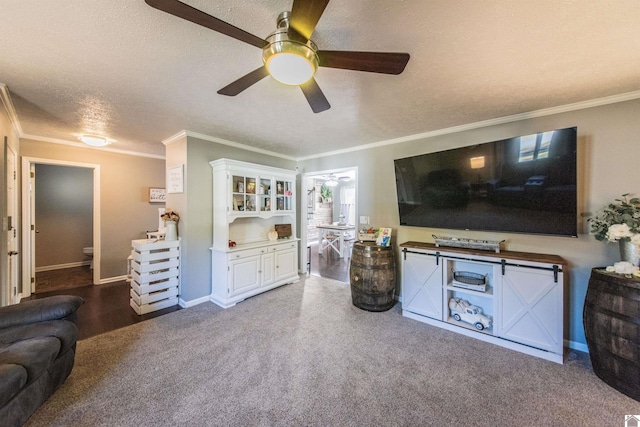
x=608, y=153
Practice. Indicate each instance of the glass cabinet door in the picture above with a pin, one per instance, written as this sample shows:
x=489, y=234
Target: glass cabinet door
x=264, y=194
x=243, y=193
x=284, y=195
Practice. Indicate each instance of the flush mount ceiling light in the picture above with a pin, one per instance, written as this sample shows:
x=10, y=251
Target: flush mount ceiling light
x=94, y=140
x=289, y=61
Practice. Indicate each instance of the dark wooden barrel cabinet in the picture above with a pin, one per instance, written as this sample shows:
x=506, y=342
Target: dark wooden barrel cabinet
x=373, y=276
x=611, y=319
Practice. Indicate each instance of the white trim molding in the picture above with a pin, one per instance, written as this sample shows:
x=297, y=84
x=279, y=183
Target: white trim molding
x=88, y=147
x=112, y=279
x=8, y=106
x=193, y=302
x=62, y=266
x=209, y=138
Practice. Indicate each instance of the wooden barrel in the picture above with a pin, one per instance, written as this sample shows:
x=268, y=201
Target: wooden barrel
x=611, y=318
x=373, y=276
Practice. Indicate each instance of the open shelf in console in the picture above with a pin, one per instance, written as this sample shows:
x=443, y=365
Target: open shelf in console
x=472, y=301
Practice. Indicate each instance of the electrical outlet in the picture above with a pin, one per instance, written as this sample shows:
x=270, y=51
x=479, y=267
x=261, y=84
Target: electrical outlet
x=364, y=220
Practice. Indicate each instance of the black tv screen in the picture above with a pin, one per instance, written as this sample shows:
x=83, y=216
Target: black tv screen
x=526, y=184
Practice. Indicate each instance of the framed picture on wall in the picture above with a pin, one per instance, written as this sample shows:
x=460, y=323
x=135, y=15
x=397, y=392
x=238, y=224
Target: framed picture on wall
x=175, y=179
x=157, y=195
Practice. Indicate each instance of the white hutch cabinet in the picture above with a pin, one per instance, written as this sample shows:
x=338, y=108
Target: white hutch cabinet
x=249, y=200
x=523, y=295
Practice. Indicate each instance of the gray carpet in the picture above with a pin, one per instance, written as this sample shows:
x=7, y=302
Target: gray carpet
x=304, y=355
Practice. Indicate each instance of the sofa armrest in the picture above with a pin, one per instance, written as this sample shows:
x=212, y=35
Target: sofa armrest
x=40, y=310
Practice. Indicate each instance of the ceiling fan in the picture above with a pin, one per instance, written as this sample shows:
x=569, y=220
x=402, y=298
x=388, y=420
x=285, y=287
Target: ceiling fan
x=288, y=53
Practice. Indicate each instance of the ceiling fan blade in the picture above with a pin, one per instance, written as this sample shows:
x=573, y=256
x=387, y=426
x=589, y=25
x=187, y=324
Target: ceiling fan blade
x=374, y=62
x=244, y=82
x=315, y=97
x=184, y=11
x=305, y=15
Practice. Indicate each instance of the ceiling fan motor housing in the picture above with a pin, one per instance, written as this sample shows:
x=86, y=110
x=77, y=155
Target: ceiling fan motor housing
x=279, y=42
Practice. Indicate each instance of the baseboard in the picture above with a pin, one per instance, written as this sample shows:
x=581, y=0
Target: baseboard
x=62, y=266
x=574, y=345
x=112, y=279
x=186, y=304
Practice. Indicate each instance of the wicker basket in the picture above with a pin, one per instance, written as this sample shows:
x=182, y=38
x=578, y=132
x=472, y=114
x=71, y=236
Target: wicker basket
x=469, y=280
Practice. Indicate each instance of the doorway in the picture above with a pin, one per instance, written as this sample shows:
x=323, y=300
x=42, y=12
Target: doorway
x=10, y=295
x=328, y=222
x=64, y=233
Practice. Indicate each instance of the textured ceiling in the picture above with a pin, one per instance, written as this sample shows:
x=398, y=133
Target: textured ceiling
x=139, y=76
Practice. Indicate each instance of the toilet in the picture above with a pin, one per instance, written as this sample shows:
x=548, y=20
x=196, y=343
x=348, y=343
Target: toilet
x=88, y=252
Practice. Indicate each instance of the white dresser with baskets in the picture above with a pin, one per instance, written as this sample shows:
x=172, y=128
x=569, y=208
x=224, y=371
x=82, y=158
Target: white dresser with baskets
x=155, y=274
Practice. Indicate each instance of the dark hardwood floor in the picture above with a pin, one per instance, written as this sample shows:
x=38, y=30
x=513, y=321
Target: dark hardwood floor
x=66, y=278
x=329, y=264
x=106, y=307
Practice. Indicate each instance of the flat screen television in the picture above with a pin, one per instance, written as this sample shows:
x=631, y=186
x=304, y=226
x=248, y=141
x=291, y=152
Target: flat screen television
x=526, y=184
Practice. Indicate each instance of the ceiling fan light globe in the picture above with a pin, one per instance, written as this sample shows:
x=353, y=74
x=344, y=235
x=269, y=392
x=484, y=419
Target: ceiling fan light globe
x=290, y=68
x=289, y=61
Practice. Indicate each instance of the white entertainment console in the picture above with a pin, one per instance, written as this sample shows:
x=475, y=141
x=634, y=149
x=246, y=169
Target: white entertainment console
x=523, y=295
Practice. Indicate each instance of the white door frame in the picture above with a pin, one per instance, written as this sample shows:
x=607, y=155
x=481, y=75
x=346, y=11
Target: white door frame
x=14, y=226
x=28, y=234
x=304, y=223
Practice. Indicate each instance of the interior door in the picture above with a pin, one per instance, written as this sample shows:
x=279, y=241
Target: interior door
x=12, y=223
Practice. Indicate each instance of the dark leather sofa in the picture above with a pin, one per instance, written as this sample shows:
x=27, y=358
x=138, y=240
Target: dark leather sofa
x=37, y=352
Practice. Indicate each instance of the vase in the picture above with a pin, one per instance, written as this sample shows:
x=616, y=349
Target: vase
x=273, y=235
x=628, y=252
x=171, y=230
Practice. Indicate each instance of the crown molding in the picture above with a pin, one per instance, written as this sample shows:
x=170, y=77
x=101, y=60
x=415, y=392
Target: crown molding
x=174, y=138
x=227, y=142
x=8, y=106
x=85, y=146
x=629, y=96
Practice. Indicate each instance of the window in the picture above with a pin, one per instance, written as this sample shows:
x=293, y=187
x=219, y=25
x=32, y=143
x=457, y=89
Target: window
x=534, y=147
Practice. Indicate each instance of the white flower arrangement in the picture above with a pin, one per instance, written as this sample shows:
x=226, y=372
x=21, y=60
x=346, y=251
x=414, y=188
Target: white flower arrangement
x=625, y=268
x=618, y=221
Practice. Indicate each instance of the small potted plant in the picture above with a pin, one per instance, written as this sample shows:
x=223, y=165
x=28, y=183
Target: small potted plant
x=325, y=193
x=619, y=222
